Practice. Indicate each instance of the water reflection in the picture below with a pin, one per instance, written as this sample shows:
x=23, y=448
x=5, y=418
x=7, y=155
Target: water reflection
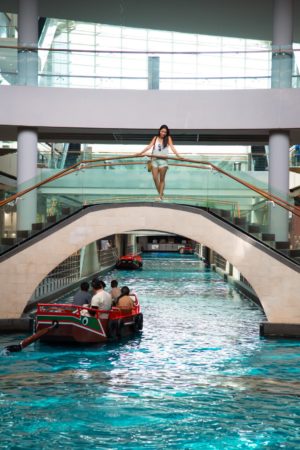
x=198, y=377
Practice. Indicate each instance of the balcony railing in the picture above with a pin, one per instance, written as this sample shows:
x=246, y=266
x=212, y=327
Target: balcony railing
x=228, y=161
x=164, y=70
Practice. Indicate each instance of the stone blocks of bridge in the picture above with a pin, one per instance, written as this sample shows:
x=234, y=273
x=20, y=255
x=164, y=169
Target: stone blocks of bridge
x=277, y=285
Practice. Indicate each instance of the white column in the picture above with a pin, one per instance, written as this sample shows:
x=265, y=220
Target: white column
x=282, y=66
x=27, y=39
x=26, y=176
x=27, y=138
x=279, y=144
x=282, y=59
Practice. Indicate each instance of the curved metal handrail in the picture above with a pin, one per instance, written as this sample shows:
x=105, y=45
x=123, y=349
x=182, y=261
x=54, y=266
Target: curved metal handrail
x=90, y=163
x=35, y=48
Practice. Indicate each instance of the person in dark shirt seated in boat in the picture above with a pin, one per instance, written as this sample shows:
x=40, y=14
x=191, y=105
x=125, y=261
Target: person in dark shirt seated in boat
x=83, y=296
x=115, y=291
x=125, y=302
x=101, y=299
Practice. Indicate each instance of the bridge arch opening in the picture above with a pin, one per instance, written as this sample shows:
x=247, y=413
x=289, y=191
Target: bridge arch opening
x=102, y=254
x=38, y=259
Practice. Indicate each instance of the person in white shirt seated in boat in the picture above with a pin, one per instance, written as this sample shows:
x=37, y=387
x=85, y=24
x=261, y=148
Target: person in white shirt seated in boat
x=125, y=302
x=82, y=297
x=115, y=291
x=101, y=299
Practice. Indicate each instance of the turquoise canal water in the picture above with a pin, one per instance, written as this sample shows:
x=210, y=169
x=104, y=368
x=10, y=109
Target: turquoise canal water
x=199, y=376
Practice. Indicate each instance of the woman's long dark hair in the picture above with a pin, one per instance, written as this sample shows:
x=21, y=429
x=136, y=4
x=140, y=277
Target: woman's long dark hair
x=166, y=138
x=125, y=291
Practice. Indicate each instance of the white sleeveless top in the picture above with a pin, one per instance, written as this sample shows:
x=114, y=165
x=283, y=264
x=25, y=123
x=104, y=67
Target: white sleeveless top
x=158, y=149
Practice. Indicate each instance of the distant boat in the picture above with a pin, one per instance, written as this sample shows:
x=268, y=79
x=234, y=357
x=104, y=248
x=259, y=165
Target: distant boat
x=186, y=250
x=84, y=325
x=129, y=262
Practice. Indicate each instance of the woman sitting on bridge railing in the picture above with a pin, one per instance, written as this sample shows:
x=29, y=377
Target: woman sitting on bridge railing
x=160, y=148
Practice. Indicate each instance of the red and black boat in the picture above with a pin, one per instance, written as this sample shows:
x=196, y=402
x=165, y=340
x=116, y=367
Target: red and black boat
x=186, y=250
x=129, y=262
x=72, y=323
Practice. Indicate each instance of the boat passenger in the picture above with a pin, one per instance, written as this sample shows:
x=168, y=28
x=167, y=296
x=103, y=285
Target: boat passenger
x=83, y=296
x=125, y=302
x=101, y=299
x=103, y=284
x=115, y=291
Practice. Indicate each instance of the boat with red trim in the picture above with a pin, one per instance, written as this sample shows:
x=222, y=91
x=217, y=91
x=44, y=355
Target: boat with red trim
x=85, y=325
x=129, y=262
x=186, y=250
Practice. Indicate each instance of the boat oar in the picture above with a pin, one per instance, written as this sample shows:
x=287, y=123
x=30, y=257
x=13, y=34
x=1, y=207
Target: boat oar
x=27, y=341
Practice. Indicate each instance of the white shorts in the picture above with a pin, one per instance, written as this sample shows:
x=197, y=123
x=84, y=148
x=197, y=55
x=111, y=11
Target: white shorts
x=156, y=162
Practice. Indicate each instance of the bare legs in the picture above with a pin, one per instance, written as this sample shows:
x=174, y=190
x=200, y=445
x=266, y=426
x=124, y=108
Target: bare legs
x=162, y=173
x=159, y=175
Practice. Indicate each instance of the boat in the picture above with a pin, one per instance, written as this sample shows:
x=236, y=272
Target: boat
x=129, y=262
x=186, y=250
x=69, y=323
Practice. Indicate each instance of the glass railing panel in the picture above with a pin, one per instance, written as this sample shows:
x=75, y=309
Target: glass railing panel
x=8, y=64
x=247, y=207
x=238, y=162
x=131, y=69
x=112, y=182
x=258, y=179
x=36, y=210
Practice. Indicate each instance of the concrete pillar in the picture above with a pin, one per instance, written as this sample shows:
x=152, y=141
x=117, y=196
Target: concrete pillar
x=131, y=243
x=26, y=176
x=279, y=144
x=89, y=263
x=28, y=39
x=282, y=66
x=27, y=138
x=282, y=57
x=118, y=243
x=207, y=255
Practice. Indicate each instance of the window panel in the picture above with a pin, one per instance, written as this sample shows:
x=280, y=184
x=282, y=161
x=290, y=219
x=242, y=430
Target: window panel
x=219, y=69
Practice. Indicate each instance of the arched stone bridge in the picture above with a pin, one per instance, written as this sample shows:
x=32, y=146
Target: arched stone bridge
x=275, y=280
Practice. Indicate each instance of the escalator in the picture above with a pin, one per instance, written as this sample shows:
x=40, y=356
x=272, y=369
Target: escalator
x=259, y=157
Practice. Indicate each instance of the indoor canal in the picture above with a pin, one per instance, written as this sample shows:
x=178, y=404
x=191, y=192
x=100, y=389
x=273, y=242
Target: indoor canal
x=197, y=377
